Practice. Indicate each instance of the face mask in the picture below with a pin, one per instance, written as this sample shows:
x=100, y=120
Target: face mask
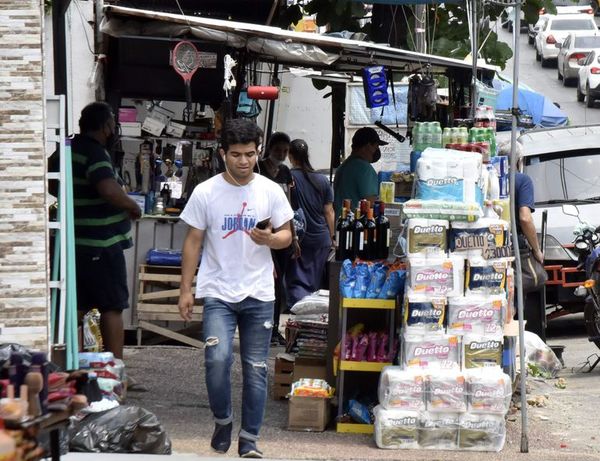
x=376, y=156
x=113, y=139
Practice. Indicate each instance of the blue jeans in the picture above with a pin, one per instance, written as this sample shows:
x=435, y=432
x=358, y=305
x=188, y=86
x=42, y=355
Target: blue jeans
x=254, y=319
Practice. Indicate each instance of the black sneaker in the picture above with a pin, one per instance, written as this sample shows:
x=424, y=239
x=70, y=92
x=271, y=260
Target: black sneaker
x=277, y=339
x=247, y=449
x=221, y=438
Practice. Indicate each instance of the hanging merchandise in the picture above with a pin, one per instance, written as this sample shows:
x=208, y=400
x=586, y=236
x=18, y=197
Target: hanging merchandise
x=269, y=93
x=247, y=107
x=375, y=86
x=422, y=98
x=185, y=59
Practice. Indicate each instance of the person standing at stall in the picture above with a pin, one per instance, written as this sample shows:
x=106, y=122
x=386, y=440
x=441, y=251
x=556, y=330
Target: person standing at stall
x=356, y=179
x=225, y=215
x=312, y=193
x=103, y=214
x=272, y=167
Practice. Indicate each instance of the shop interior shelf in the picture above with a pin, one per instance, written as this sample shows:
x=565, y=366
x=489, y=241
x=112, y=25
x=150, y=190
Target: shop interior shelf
x=354, y=428
x=348, y=365
x=360, y=303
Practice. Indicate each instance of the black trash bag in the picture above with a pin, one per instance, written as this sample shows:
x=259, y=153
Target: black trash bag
x=120, y=430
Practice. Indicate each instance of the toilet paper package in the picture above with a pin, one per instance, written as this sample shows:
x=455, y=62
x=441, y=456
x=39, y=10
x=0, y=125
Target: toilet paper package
x=446, y=392
x=436, y=276
x=438, y=431
x=480, y=351
x=476, y=314
x=441, y=209
x=423, y=313
x=470, y=239
x=488, y=390
x=486, y=277
x=434, y=351
x=396, y=428
x=401, y=389
x=427, y=237
x=481, y=432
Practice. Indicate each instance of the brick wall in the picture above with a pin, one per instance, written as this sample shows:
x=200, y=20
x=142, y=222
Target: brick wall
x=23, y=266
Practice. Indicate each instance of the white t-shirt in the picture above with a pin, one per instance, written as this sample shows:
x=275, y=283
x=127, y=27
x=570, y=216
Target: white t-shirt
x=233, y=267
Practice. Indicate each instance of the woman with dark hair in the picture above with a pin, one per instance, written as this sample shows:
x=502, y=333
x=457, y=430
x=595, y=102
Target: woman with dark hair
x=311, y=192
x=272, y=167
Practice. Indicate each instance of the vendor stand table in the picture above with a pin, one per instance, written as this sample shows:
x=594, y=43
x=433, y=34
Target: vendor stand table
x=50, y=423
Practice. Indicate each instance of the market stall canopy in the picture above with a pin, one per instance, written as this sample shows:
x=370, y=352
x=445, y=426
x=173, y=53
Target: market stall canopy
x=271, y=44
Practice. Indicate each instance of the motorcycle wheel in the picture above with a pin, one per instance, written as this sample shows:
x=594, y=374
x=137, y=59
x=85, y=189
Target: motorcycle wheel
x=591, y=315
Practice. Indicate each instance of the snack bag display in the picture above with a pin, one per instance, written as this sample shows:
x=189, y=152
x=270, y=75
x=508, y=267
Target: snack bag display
x=432, y=351
x=478, y=432
x=488, y=391
x=438, y=431
x=396, y=428
x=446, y=392
x=311, y=388
x=482, y=351
x=401, y=389
x=476, y=314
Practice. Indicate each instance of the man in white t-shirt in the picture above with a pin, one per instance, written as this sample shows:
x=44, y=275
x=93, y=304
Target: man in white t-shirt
x=235, y=278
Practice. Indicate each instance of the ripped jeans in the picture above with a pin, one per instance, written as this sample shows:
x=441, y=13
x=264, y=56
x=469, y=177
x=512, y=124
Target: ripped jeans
x=254, y=319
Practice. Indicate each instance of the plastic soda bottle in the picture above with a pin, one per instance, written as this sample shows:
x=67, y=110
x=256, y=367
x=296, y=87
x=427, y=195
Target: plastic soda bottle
x=436, y=134
x=416, y=131
x=447, y=137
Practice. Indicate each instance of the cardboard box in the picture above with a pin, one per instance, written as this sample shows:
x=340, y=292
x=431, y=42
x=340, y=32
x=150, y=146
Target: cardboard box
x=309, y=414
x=131, y=129
x=283, y=376
x=175, y=129
x=310, y=368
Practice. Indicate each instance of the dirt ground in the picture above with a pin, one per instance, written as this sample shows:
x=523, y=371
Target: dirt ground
x=565, y=428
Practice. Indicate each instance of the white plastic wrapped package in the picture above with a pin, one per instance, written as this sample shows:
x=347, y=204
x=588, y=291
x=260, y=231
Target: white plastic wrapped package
x=435, y=351
x=476, y=314
x=423, y=313
x=427, y=237
x=396, y=428
x=446, y=392
x=401, y=389
x=438, y=431
x=436, y=276
x=440, y=209
x=487, y=277
x=480, y=432
x=482, y=351
x=470, y=239
x=312, y=304
x=489, y=390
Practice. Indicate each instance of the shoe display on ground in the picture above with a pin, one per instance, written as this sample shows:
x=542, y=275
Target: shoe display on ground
x=221, y=438
x=247, y=449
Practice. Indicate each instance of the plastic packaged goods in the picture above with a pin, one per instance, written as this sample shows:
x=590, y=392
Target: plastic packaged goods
x=442, y=209
x=446, y=391
x=401, y=389
x=311, y=388
x=482, y=351
x=501, y=165
x=92, y=338
x=396, y=428
x=470, y=239
x=427, y=236
x=436, y=276
x=423, y=314
x=476, y=314
x=494, y=184
x=486, y=277
x=434, y=352
x=438, y=431
x=489, y=390
x=479, y=432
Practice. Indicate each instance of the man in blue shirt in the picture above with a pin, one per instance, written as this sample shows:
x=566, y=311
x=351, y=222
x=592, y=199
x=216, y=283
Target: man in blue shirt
x=356, y=179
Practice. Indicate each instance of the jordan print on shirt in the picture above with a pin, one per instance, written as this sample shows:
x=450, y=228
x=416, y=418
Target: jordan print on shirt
x=238, y=222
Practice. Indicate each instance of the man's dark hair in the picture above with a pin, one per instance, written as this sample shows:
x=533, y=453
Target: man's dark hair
x=277, y=138
x=240, y=131
x=94, y=116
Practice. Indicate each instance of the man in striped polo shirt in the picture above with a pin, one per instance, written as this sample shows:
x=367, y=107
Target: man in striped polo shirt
x=103, y=214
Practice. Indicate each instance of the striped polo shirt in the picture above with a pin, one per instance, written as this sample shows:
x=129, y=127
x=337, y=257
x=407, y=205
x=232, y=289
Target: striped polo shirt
x=98, y=224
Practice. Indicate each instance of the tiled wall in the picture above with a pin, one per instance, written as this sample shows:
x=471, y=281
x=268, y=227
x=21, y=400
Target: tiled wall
x=23, y=266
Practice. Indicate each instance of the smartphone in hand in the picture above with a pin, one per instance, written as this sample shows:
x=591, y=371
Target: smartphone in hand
x=262, y=225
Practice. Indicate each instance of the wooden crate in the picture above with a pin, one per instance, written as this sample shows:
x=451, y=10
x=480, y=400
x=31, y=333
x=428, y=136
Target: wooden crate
x=157, y=299
x=283, y=377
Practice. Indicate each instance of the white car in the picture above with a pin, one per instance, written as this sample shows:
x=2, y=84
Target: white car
x=555, y=29
x=575, y=47
x=588, y=83
x=562, y=7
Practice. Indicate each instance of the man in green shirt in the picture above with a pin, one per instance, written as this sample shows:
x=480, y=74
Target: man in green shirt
x=355, y=179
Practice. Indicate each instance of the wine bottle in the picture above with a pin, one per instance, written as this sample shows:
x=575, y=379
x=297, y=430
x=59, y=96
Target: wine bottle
x=358, y=242
x=348, y=206
x=370, y=237
x=343, y=234
x=382, y=231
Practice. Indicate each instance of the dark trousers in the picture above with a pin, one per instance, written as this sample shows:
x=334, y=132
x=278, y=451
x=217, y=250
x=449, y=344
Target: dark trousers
x=281, y=260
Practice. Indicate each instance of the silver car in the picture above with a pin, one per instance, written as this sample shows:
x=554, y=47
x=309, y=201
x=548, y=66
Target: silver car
x=576, y=46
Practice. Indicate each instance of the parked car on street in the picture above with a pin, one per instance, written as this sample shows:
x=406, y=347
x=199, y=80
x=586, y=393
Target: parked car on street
x=562, y=7
x=555, y=29
x=575, y=47
x=588, y=83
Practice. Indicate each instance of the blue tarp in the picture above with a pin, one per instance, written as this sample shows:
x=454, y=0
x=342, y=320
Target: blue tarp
x=541, y=109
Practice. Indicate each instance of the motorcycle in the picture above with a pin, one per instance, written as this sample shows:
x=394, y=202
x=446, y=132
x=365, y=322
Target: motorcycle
x=587, y=248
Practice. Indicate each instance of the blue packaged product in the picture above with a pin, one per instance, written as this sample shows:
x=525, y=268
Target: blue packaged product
x=359, y=412
x=450, y=189
x=362, y=281
x=394, y=285
x=378, y=276
x=347, y=279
